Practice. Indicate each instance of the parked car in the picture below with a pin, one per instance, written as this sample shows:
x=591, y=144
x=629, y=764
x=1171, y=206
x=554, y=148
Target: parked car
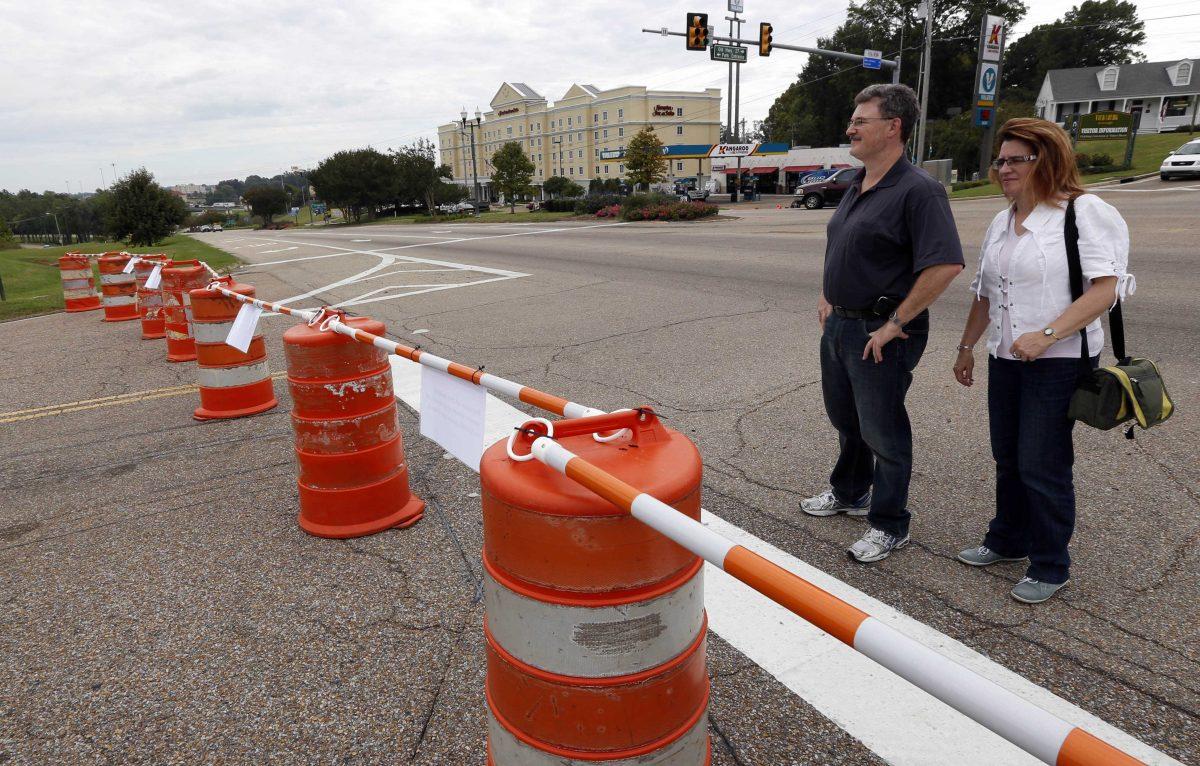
x=206, y=227
x=217, y=227
x=470, y=205
x=1184, y=162
x=828, y=191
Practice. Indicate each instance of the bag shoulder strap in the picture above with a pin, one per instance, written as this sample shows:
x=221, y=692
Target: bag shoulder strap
x=1075, y=276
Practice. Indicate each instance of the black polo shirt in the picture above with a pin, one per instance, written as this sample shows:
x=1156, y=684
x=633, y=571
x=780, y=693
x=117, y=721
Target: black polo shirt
x=878, y=241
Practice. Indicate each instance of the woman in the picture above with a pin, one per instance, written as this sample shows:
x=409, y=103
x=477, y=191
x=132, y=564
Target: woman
x=1023, y=300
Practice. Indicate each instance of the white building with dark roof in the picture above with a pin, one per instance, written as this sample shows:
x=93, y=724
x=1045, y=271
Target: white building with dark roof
x=1164, y=94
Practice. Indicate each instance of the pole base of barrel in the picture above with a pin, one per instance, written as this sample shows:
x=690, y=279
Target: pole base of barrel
x=154, y=336
x=203, y=413
x=81, y=309
x=181, y=357
x=408, y=514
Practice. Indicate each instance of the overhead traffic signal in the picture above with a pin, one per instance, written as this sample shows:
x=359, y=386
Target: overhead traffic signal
x=697, y=31
x=764, y=39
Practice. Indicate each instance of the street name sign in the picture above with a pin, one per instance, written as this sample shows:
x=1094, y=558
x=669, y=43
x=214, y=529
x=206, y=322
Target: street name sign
x=734, y=53
x=736, y=6
x=872, y=59
x=732, y=150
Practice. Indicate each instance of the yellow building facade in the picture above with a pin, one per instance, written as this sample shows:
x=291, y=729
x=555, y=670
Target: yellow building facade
x=583, y=135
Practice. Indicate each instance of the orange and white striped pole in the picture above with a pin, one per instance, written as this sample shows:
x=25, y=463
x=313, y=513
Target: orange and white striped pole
x=495, y=383
x=1029, y=727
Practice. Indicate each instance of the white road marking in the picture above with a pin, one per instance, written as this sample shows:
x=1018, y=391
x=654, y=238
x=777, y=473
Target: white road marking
x=280, y=250
x=899, y=722
x=360, y=240
x=1151, y=191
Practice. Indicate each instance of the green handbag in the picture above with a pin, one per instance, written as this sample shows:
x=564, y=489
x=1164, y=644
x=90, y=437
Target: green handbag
x=1132, y=388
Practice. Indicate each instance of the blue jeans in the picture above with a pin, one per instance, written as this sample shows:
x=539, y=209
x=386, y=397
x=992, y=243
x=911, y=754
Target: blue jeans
x=865, y=403
x=1031, y=442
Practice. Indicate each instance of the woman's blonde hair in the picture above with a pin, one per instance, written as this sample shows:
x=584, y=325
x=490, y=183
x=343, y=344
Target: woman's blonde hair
x=1054, y=174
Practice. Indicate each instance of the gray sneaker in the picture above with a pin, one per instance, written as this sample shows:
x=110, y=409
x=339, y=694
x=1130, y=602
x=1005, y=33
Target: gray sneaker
x=876, y=545
x=1031, y=591
x=983, y=556
x=827, y=504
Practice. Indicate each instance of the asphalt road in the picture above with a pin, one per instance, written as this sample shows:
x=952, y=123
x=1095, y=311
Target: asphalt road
x=161, y=606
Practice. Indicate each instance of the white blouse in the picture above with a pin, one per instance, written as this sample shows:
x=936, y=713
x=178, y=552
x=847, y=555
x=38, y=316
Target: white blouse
x=1037, y=289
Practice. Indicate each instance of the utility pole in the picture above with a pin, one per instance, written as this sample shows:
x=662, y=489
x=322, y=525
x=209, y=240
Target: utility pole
x=927, y=7
x=56, y=228
x=103, y=182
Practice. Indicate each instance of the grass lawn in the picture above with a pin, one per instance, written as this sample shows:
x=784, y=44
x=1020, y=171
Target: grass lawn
x=1148, y=153
x=32, y=285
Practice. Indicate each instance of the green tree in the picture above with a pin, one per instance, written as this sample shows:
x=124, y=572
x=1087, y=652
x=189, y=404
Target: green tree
x=814, y=109
x=357, y=181
x=645, y=162
x=7, y=240
x=266, y=202
x=513, y=172
x=1093, y=33
x=561, y=186
x=141, y=211
x=956, y=138
x=419, y=177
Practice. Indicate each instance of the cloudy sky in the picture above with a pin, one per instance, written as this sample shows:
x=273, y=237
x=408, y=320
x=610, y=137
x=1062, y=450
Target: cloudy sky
x=202, y=91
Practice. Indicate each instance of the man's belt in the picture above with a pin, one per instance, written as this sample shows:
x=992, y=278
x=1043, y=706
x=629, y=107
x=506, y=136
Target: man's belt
x=842, y=311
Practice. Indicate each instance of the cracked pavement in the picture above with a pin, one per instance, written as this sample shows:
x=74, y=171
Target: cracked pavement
x=162, y=606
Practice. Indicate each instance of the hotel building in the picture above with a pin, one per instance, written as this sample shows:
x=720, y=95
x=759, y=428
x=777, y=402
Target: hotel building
x=583, y=135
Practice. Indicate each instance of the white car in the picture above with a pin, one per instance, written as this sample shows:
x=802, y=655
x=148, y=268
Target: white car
x=1184, y=162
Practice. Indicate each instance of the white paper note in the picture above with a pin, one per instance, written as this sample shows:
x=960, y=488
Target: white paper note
x=129, y=265
x=452, y=414
x=155, y=277
x=244, y=325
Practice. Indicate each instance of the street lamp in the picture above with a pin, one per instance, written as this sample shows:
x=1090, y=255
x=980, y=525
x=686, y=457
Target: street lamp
x=474, y=173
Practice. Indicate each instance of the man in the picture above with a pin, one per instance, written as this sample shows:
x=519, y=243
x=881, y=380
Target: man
x=892, y=248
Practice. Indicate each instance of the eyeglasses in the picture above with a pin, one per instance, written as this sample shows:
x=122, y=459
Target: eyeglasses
x=1000, y=162
x=859, y=122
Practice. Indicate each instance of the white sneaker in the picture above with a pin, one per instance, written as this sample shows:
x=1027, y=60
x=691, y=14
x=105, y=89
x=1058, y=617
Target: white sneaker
x=827, y=504
x=876, y=545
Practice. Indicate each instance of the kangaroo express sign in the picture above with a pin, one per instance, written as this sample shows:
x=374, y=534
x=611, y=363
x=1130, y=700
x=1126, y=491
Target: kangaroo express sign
x=732, y=150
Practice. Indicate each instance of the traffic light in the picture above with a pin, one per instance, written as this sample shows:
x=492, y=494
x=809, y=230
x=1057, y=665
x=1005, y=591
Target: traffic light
x=697, y=31
x=764, y=39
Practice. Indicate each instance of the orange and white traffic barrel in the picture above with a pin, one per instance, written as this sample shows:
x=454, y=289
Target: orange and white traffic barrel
x=149, y=299
x=353, y=475
x=118, y=290
x=178, y=279
x=78, y=283
x=233, y=384
x=594, y=623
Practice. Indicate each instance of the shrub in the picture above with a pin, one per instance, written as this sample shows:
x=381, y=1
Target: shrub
x=559, y=205
x=612, y=211
x=592, y=205
x=668, y=211
x=1082, y=160
x=967, y=185
x=1100, y=159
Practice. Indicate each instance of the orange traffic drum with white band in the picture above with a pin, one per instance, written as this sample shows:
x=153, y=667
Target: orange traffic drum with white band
x=233, y=384
x=150, y=300
x=78, y=283
x=353, y=475
x=594, y=622
x=118, y=290
x=179, y=278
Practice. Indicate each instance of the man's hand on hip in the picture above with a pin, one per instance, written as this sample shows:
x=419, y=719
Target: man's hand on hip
x=881, y=338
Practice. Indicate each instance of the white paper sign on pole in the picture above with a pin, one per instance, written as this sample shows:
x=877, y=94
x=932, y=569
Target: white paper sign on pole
x=244, y=325
x=155, y=278
x=129, y=265
x=452, y=414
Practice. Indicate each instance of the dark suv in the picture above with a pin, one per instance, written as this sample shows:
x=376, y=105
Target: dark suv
x=818, y=194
